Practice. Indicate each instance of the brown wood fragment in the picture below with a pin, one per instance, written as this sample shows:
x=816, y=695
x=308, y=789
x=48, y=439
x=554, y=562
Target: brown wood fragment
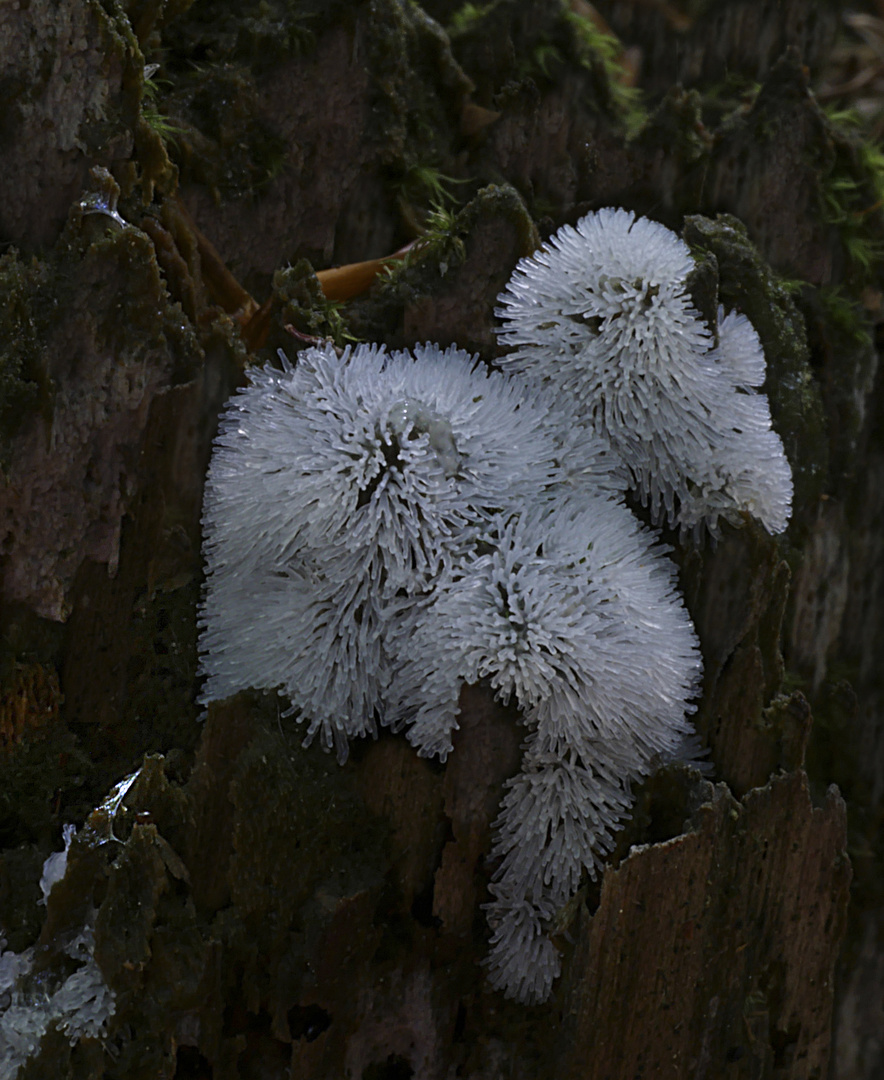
x=717, y=948
x=29, y=701
x=486, y=752
x=223, y=287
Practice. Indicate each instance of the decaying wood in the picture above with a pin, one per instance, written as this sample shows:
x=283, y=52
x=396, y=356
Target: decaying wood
x=260, y=910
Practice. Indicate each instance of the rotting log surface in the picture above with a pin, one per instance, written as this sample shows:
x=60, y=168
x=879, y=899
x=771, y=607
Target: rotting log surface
x=265, y=912
x=714, y=946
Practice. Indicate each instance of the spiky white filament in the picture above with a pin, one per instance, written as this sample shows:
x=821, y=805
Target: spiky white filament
x=340, y=491
x=603, y=316
x=573, y=611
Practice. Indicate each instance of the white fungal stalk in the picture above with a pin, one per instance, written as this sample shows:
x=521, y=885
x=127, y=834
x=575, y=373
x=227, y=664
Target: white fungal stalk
x=603, y=316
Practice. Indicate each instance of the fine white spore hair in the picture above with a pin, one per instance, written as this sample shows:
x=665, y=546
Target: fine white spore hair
x=750, y=471
x=572, y=611
x=78, y=1004
x=602, y=315
x=575, y=614
x=339, y=492
x=383, y=528
x=558, y=818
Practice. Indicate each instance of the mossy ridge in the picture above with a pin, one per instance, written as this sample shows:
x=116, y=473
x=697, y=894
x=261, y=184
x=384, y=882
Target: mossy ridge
x=851, y=193
x=504, y=40
x=295, y=863
x=431, y=267
x=746, y=283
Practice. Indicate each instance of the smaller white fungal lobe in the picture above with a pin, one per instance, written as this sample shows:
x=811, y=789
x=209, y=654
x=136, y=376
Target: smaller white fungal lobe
x=603, y=317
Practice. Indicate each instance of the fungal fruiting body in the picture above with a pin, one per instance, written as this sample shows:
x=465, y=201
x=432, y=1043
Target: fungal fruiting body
x=383, y=528
x=340, y=492
x=573, y=612
x=602, y=314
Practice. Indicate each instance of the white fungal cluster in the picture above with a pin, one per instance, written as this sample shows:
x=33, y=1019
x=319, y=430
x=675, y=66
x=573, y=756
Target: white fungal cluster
x=383, y=528
x=603, y=315
x=341, y=492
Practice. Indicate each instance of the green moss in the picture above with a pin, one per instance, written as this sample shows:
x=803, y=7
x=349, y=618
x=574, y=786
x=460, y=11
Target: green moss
x=468, y=17
x=441, y=244
x=538, y=41
x=746, y=283
x=725, y=102
x=151, y=111
x=417, y=97
x=431, y=267
x=851, y=195
x=304, y=306
x=221, y=139
x=424, y=185
x=593, y=45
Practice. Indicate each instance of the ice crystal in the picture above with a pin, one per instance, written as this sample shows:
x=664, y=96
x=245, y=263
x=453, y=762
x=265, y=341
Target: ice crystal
x=55, y=866
x=339, y=492
x=79, y=1004
x=603, y=315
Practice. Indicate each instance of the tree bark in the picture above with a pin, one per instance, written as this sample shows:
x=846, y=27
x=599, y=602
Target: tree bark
x=258, y=910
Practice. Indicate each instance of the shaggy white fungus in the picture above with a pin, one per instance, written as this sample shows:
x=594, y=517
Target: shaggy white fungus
x=382, y=528
x=602, y=314
x=574, y=613
x=339, y=492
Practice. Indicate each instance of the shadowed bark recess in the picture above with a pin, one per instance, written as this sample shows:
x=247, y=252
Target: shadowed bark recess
x=176, y=175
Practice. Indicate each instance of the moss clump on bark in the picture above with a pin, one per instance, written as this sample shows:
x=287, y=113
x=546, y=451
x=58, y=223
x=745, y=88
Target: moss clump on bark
x=303, y=305
x=746, y=283
x=445, y=289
